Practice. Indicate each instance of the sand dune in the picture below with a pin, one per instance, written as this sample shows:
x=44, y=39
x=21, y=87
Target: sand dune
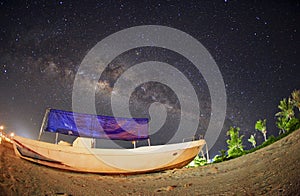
x=274, y=170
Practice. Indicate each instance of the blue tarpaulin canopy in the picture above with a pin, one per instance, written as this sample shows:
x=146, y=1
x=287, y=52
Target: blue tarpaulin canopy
x=97, y=126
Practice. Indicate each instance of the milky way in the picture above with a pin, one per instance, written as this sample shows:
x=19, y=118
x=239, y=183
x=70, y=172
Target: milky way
x=42, y=44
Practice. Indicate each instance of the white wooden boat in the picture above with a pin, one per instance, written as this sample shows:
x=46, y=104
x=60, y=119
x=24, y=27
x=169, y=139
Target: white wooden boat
x=109, y=161
x=82, y=157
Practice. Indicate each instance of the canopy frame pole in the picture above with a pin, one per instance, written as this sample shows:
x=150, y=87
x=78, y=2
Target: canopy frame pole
x=207, y=155
x=44, y=123
x=93, y=143
x=134, y=144
x=148, y=127
x=56, y=137
x=202, y=154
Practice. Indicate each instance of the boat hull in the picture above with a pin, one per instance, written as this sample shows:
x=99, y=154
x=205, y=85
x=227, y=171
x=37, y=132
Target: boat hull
x=108, y=161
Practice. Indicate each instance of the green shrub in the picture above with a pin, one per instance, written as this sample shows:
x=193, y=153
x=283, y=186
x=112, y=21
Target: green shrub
x=220, y=158
x=235, y=143
x=293, y=124
x=198, y=161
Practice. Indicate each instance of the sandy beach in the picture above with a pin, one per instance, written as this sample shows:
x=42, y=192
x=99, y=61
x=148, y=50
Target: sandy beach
x=274, y=170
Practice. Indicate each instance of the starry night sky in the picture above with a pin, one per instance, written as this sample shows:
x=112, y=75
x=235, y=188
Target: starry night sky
x=42, y=44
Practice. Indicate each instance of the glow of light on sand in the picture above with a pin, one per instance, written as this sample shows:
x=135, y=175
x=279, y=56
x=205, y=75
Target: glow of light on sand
x=2, y=127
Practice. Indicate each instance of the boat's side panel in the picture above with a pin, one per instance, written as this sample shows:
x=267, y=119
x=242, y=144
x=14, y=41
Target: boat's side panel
x=139, y=160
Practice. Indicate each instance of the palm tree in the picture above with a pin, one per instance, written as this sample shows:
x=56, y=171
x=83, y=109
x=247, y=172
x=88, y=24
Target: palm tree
x=281, y=124
x=296, y=98
x=252, y=140
x=261, y=125
x=286, y=107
